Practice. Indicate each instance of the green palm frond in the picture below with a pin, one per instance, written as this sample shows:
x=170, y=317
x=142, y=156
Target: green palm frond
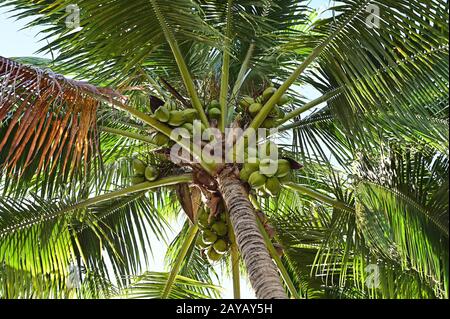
x=195, y=266
x=151, y=285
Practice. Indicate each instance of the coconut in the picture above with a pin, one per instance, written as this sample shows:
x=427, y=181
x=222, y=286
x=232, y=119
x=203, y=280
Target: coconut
x=244, y=174
x=284, y=166
x=252, y=165
x=177, y=118
x=214, y=113
x=190, y=115
x=137, y=180
x=214, y=104
x=151, y=173
x=203, y=222
x=162, y=114
x=283, y=99
x=257, y=180
x=209, y=237
x=138, y=166
x=268, y=123
x=213, y=255
x=254, y=108
x=220, y=228
x=200, y=243
x=170, y=105
x=275, y=113
x=220, y=246
x=272, y=186
x=160, y=139
x=267, y=94
x=268, y=167
x=246, y=101
x=285, y=179
x=188, y=126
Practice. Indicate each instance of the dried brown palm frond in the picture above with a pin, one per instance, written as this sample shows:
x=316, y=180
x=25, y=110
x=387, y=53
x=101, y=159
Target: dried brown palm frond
x=47, y=122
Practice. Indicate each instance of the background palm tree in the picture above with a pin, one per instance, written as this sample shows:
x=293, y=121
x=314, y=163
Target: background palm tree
x=365, y=217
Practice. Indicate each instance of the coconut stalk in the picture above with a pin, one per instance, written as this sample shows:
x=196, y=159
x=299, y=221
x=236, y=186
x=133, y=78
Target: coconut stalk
x=234, y=252
x=192, y=232
x=225, y=69
x=184, y=71
x=124, y=133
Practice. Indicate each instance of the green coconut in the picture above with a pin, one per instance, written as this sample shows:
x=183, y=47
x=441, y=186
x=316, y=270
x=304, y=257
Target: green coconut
x=257, y=180
x=246, y=101
x=160, y=139
x=273, y=186
x=151, y=173
x=200, y=243
x=252, y=165
x=268, y=167
x=220, y=228
x=162, y=114
x=267, y=94
x=284, y=167
x=220, y=246
x=275, y=113
x=254, y=108
x=190, y=115
x=269, y=123
x=188, y=126
x=285, y=179
x=138, y=166
x=202, y=220
x=137, y=180
x=244, y=174
x=214, y=113
x=283, y=99
x=177, y=118
x=209, y=237
x=213, y=255
x=170, y=105
x=214, y=104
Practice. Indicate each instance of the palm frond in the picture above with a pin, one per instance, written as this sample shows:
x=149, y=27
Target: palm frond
x=151, y=285
x=47, y=124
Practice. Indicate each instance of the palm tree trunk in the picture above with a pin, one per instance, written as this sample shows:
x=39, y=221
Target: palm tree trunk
x=261, y=270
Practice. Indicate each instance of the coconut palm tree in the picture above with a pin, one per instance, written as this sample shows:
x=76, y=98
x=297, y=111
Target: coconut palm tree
x=357, y=206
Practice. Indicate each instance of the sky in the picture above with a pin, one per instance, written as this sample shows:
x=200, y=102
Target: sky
x=19, y=42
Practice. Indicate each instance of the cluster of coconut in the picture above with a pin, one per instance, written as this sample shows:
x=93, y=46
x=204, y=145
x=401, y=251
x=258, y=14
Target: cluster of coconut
x=254, y=105
x=213, y=110
x=213, y=237
x=266, y=175
x=143, y=172
x=173, y=117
